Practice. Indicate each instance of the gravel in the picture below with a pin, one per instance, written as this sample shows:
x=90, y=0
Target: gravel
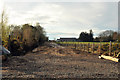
x=47, y=62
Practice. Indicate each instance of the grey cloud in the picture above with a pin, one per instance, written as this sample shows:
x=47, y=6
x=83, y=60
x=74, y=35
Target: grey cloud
x=62, y=33
x=37, y=17
x=74, y=17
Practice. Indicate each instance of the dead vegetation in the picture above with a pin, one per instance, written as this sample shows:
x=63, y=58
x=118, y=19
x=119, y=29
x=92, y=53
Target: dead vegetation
x=55, y=49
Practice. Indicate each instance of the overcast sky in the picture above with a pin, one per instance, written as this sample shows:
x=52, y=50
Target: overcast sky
x=64, y=19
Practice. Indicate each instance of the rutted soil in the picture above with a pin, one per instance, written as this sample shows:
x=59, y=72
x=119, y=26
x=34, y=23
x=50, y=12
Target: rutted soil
x=58, y=62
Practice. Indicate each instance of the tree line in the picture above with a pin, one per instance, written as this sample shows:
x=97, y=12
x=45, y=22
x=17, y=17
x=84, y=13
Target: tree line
x=86, y=37
x=105, y=36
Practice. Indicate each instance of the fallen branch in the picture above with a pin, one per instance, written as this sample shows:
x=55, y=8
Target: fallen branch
x=109, y=58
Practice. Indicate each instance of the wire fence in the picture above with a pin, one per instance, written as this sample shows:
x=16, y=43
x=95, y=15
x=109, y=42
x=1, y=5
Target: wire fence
x=106, y=48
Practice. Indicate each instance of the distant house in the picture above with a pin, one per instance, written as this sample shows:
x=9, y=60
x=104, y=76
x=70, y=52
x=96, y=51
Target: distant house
x=67, y=40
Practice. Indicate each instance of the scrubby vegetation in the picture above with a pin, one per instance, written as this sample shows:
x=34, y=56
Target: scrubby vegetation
x=25, y=38
x=21, y=38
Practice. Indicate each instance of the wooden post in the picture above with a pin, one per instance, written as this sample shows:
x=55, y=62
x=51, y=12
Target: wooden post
x=84, y=46
x=75, y=46
x=93, y=47
x=88, y=47
x=110, y=46
x=117, y=46
x=81, y=46
x=100, y=48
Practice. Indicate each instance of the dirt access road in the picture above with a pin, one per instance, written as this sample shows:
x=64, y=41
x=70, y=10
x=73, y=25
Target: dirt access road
x=55, y=62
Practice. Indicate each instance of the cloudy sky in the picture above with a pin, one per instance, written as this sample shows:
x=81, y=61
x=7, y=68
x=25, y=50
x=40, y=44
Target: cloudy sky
x=64, y=19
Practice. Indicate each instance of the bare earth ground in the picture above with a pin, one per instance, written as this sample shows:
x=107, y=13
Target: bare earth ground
x=49, y=62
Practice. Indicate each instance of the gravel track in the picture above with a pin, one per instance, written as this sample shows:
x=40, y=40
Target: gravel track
x=47, y=64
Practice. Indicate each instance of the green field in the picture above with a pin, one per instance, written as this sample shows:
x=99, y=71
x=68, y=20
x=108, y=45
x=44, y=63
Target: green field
x=88, y=42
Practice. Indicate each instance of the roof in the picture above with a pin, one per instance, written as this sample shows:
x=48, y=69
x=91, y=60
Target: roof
x=67, y=38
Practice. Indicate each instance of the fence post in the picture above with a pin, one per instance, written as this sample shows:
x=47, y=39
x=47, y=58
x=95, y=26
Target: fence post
x=117, y=46
x=100, y=48
x=88, y=47
x=110, y=48
x=93, y=47
x=84, y=47
x=75, y=46
x=81, y=46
